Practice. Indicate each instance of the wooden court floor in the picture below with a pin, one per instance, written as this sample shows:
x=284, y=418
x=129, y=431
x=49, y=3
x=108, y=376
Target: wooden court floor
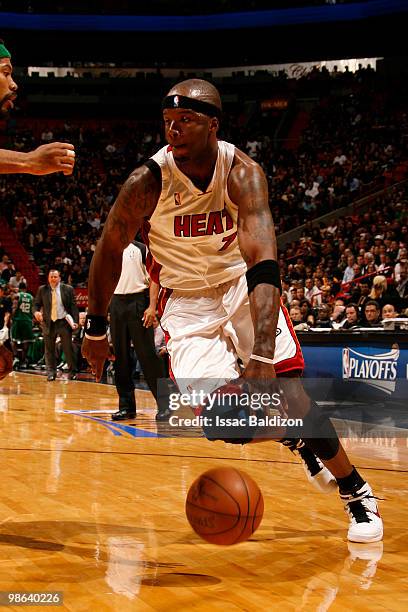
x=96, y=510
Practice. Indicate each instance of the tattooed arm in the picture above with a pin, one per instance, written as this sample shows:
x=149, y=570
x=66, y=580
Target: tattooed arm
x=248, y=188
x=136, y=200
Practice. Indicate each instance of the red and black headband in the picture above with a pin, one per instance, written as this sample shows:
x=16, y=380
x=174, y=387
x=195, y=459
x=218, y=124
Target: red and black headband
x=177, y=101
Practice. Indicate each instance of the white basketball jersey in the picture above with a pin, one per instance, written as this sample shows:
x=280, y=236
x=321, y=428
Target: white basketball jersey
x=192, y=234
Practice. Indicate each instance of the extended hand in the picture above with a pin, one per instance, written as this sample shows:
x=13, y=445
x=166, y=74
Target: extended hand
x=96, y=352
x=149, y=317
x=260, y=378
x=53, y=157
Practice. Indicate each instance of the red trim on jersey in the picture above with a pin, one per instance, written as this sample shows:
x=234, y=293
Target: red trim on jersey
x=153, y=268
x=295, y=363
x=164, y=294
x=171, y=374
x=144, y=230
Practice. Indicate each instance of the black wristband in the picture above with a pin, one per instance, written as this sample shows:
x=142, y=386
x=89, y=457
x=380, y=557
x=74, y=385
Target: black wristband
x=266, y=271
x=95, y=325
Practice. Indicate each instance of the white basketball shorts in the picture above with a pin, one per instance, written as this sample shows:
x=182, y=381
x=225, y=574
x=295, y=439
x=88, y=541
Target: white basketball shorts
x=208, y=331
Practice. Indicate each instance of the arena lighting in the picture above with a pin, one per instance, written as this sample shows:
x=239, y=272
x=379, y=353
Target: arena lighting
x=224, y=21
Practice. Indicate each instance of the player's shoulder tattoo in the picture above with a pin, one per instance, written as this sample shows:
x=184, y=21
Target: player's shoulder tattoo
x=139, y=193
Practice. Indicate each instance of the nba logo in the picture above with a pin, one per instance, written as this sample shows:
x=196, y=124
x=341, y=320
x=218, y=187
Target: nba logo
x=346, y=363
x=176, y=101
x=177, y=199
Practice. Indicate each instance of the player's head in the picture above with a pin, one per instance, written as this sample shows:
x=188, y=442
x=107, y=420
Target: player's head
x=8, y=87
x=199, y=90
x=191, y=112
x=54, y=278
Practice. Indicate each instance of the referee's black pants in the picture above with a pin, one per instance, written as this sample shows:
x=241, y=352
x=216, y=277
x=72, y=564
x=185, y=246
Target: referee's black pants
x=126, y=312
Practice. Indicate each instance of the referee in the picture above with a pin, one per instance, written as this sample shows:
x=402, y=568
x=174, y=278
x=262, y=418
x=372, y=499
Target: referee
x=132, y=313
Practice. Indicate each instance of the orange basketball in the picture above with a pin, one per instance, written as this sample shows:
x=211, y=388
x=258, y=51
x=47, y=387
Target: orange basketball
x=224, y=506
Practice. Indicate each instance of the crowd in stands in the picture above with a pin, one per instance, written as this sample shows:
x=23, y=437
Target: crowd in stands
x=352, y=144
x=353, y=272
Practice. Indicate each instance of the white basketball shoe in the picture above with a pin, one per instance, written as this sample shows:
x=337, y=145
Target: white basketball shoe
x=365, y=521
x=317, y=474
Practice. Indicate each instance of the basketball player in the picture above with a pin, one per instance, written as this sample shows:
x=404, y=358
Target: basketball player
x=46, y=159
x=204, y=208
x=22, y=325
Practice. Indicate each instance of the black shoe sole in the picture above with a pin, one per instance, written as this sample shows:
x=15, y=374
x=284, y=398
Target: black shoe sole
x=163, y=416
